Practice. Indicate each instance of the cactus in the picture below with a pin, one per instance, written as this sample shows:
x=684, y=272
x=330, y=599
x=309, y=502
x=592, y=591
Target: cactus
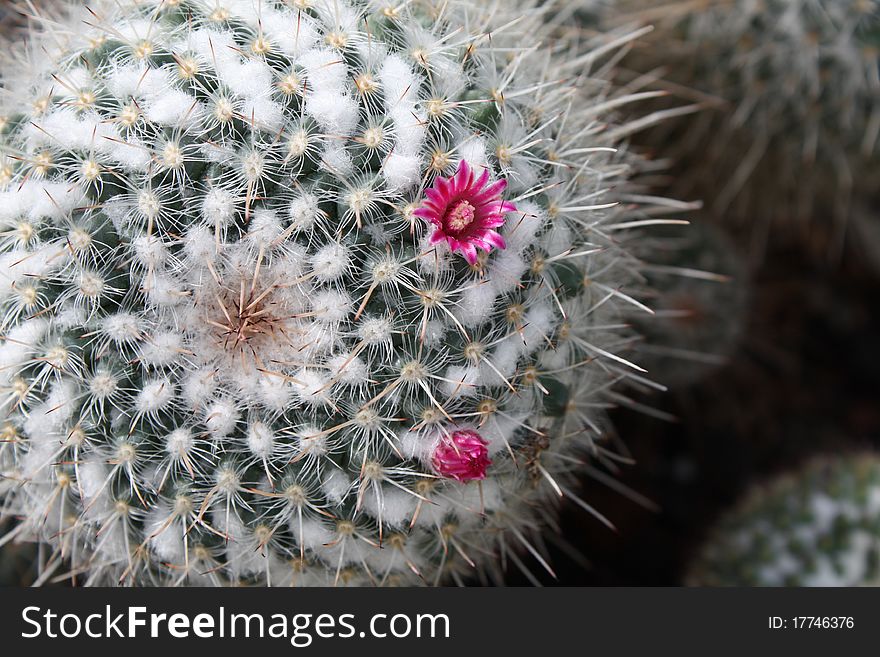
x=306, y=292
x=817, y=526
x=789, y=139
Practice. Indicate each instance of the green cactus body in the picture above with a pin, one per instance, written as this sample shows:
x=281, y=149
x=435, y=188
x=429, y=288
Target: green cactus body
x=818, y=526
x=230, y=352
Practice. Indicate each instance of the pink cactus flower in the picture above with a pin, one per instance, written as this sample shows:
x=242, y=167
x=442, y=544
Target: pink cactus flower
x=464, y=212
x=462, y=456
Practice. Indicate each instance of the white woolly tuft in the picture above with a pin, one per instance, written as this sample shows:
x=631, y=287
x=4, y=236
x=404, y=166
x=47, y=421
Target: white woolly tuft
x=477, y=304
x=261, y=440
x=164, y=348
x=311, y=387
x=331, y=262
x=155, y=396
x=336, y=486
x=220, y=418
x=179, y=442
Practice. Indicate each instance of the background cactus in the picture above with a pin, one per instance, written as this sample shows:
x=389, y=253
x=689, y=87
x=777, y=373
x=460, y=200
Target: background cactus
x=789, y=136
x=233, y=348
x=818, y=526
x=8, y=22
x=699, y=284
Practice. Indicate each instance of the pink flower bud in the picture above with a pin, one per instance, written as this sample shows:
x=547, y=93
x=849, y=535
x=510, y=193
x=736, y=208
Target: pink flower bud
x=462, y=456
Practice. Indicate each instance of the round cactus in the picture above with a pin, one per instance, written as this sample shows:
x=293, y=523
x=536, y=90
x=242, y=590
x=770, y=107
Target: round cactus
x=305, y=292
x=791, y=128
x=819, y=526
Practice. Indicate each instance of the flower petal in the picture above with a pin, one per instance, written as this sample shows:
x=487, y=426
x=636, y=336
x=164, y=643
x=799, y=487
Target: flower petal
x=481, y=182
x=463, y=177
x=436, y=197
x=495, y=239
x=444, y=189
x=491, y=193
x=425, y=213
x=469, y=252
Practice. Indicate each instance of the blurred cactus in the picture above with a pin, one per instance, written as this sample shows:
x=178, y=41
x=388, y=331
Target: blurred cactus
x=789, y=135
x=818, y=526
x=699, y=282
x=11, y=22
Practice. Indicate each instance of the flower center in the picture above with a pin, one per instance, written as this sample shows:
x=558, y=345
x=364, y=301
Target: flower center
x=461, y=216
